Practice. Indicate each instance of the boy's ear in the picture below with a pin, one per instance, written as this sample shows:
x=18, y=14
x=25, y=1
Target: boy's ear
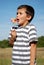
x=29, y=17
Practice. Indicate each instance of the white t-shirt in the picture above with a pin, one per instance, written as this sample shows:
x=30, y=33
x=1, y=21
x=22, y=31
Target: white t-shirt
x=21, y=48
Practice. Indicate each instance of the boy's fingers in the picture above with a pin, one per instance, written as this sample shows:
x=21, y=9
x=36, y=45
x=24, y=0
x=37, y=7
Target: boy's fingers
x=13, y=20
x=12, y=32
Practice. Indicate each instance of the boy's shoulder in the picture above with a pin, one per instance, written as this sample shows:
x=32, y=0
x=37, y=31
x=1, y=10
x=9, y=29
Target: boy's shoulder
x=30, y=25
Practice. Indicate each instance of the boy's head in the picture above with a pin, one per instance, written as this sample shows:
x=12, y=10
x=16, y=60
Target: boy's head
x=29, y=11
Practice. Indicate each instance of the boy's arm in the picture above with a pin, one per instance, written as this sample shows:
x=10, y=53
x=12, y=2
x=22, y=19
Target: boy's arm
x=33, y=53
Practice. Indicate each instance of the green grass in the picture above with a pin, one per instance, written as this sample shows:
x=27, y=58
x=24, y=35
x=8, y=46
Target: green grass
x=6, y=53
x=5, y=62
x=40, y=56
x=5, y=56
x=40, y=61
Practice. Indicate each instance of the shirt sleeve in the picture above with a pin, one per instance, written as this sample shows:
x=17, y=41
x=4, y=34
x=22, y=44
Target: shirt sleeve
x=33, y=34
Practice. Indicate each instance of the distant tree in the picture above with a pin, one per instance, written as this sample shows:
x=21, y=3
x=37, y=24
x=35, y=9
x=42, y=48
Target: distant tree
x=4, y=44
x=40, y=41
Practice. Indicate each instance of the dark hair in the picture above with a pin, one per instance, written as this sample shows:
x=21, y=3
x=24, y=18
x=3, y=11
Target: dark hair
x=29, y=10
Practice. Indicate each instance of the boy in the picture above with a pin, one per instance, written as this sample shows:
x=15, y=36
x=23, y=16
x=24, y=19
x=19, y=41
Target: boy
x=24, y=38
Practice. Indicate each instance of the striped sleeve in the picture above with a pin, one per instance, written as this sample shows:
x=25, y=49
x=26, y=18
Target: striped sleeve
x=32, y=34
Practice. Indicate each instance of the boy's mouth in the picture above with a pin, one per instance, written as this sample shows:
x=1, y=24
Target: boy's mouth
x=17, y=20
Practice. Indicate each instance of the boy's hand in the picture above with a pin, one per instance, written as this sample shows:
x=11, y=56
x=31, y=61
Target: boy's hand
x=11, y=41
x=13, y=36
x=13, y=20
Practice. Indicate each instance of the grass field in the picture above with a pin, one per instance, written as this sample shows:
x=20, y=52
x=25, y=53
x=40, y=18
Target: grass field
x=5, y=56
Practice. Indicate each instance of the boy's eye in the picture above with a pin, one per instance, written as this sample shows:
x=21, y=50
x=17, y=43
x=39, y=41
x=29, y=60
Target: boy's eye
x=19, y=13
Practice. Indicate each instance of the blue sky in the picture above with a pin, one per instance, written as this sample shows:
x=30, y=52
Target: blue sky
x=8, y=10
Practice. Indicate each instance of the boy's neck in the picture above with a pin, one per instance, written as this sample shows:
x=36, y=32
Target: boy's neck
x=25, y=24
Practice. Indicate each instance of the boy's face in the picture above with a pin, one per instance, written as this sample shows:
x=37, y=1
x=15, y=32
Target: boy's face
x=22, y=17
